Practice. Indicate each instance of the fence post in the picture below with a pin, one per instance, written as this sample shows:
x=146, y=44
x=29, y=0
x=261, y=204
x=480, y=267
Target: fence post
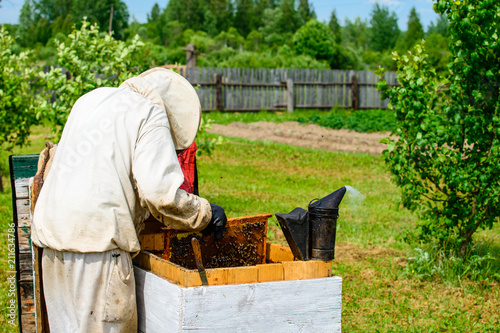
x=289, y=93
x=1, y=182
x=354, y=91
x=218, y=92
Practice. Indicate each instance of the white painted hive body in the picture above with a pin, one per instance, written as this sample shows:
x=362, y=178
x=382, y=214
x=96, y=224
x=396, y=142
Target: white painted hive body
x=312, y=305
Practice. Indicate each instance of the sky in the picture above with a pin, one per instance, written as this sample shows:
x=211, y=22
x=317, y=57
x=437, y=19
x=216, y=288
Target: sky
x=138, y=9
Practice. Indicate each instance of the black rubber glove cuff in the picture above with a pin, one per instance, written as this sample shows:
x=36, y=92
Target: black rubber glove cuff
x=217, y=224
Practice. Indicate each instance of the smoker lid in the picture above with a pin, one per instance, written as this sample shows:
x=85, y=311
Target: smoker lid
x=331, y=201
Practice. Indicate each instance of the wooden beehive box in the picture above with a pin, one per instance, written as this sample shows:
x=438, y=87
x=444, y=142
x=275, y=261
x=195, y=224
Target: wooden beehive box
x=281, y=294
x=243, y=244
x=241, y=256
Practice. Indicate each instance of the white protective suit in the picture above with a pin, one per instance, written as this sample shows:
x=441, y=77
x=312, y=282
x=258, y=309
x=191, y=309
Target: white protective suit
x=115, y=163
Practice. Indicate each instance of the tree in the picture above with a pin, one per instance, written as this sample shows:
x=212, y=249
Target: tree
x=253, y=41
x=438, y=51
x=92, y=61
x=155, y=13
x=441, y=26
x=17, y=101
x=272, y=28
x=37, y=18
x=305, y=11
x=259, y=7
x=99, y=11
x=355, y=34
x=384, y=30
x=291, y=19
x=335, y=27
x=189, y=13
x=223, y=12
x=316, y=40
x=414, y=33
x=244, y=19
x=445, y=159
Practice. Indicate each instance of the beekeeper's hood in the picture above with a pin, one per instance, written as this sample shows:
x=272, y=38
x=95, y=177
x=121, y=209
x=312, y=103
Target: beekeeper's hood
x=176, y=96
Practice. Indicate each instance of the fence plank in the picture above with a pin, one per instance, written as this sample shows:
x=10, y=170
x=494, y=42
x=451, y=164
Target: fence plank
x=250, y=89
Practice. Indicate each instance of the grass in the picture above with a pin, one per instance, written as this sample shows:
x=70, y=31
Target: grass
x=364, y=121
x=247, y=177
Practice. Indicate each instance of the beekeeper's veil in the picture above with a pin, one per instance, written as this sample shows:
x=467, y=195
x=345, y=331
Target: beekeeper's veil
x=176, y=96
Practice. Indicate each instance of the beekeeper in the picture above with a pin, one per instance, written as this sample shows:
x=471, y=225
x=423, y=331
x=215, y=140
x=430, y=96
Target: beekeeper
x=116, y=162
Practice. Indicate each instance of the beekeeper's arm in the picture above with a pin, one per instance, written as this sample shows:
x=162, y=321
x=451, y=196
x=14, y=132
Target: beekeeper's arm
x=158, y=176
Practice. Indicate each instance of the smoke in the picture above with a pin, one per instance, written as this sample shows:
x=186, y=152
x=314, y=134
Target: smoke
x=355, y=198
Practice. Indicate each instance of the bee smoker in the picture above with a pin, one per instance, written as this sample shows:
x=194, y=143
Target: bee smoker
x=311, y=234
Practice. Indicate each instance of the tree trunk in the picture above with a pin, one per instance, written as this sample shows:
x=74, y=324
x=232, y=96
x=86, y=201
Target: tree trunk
x=464, y=245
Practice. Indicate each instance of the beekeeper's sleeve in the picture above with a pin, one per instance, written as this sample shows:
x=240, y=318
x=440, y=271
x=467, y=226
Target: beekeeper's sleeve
x=158, y=177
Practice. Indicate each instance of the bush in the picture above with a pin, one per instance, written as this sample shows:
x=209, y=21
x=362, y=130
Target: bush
x=445, y=158
x=17, y=101
x=363, y=121
x=92, y=61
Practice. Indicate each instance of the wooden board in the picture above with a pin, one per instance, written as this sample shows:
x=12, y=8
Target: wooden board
x=282, y=306
x=278, y=269
x=255, y=89
x=23, y=167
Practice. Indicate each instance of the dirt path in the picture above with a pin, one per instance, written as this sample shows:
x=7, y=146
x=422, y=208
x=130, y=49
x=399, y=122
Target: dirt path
x=309, y=136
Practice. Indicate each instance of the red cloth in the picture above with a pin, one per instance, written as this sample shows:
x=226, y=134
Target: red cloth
x=186, y=160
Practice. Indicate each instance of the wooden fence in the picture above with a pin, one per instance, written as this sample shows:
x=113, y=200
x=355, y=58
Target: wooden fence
x=254, y=89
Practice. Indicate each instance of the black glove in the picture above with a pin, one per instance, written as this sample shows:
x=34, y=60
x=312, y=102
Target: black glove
x=217, y=224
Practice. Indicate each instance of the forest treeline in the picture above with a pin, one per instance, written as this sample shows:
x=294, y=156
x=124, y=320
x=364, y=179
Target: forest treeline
x=235, y=33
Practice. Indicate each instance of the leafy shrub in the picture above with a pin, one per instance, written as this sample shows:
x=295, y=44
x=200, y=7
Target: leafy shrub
x=363, y=121
x=204, y=142
x=92, y=61
x=17, y=101
x=445, y=157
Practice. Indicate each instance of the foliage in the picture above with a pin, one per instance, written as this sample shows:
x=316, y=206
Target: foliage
x=384, y=31
x=204, y=142
x=315, y=39
x=414, y=33
x=440, y=27
x=244, y=18
x=438, y=51
x=363, y=121
x=42, y=19
x=91, y=61
x=448, y=266
x=356, y=34
x=17, y=100
x=283, y=58
x=306, y=12
x=445, y=158
x=259, y=26
x=334, y=26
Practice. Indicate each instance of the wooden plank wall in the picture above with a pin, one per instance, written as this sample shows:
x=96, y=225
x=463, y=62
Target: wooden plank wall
x=255, y=89
x=22, y=168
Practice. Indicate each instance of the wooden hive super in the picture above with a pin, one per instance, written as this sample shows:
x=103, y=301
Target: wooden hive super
x=281, y=294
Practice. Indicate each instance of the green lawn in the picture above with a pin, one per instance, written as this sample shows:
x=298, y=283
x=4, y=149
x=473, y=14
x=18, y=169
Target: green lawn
x=247, y=177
